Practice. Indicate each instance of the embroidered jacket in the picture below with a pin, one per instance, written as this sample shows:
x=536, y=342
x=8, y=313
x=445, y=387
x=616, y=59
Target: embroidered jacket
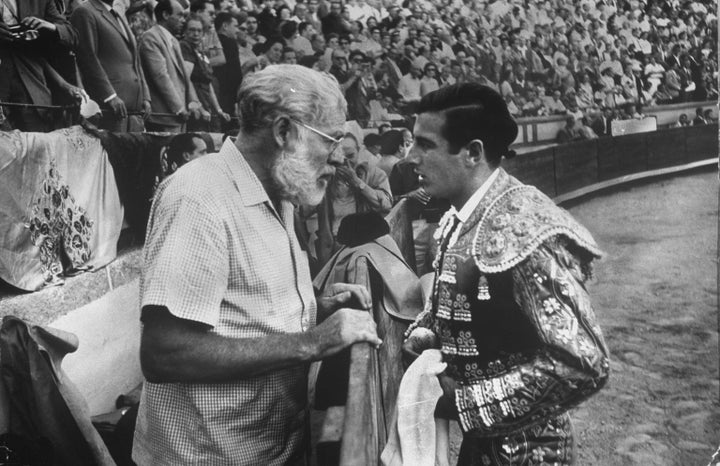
x=511, y=311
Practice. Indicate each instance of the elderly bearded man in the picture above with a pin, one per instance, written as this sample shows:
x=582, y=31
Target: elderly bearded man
x=509, y=309
x=227, y=302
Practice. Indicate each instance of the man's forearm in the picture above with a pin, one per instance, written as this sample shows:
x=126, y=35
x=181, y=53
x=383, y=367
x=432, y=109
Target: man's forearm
x=378, y=199
x=213, y=358
x=176, y=350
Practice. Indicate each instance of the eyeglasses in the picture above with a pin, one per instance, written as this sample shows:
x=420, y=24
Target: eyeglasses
x=335, y=142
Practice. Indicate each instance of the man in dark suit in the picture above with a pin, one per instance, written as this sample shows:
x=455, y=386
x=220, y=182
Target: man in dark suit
x=699, y=117
x=171, y=92
x=229, y=75
x=28, y=29
x=110, y=65
x=601, y=125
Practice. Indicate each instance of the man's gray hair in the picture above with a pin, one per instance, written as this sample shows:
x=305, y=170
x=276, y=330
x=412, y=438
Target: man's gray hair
x=304, y=94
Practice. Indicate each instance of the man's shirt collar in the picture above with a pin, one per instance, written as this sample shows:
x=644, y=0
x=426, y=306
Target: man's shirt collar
x=464, y=214
x=246, y=181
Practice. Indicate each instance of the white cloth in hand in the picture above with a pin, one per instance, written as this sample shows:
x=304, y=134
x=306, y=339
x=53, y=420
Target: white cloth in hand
x=412, y=438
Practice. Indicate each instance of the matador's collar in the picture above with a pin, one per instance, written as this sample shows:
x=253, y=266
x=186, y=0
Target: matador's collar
x=513, y=219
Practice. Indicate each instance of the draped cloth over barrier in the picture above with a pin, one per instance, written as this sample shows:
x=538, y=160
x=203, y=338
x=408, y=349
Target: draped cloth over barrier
x=59, y=206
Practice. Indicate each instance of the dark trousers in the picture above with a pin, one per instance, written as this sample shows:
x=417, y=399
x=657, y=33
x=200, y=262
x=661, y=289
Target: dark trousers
x=549, y=443
x=12, y=90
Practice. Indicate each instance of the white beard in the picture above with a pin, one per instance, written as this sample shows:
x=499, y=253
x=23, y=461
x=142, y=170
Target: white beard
x=297, y=179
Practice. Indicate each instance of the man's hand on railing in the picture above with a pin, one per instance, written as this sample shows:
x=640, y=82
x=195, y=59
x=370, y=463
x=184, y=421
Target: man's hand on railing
x=117, y=106
x=343, y=328
x=146, y=110
x=340, y=295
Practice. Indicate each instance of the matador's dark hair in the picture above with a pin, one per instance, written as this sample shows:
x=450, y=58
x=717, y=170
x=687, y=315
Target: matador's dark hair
x=473, y=111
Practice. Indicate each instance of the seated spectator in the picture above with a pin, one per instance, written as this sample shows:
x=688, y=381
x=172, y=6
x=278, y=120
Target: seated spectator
x=654, y=73
x=682, y=121
x=673, y=83
x=272, y=51
x=554, y=104
x=708, y=114
x=633, y=111
x=301, y=42
x=253, y=35
x=663, y=96
x=563, y=78
x=383, y=110
x=391, y=150
x=699, y=117
x=409, y=85
x=601, y=125
x=569, y=132
x=584, y=130
x=429, y=81
x=289, y=56
x=356, y=187
x=533, y=105
x=370, y=153
x=572, y=106
x=513, y=108
x=585, y=91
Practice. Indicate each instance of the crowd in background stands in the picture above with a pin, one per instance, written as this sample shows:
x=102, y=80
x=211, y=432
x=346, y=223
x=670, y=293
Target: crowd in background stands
x=582, y=58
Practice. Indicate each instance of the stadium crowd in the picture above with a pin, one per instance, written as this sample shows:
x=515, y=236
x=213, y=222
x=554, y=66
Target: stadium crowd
x=174, y=65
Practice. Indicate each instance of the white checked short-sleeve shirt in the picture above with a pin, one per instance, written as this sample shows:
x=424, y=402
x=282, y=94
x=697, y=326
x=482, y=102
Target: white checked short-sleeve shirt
x=217, y=252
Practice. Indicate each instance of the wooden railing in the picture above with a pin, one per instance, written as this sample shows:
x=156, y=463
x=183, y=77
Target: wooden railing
x=375, y=373
x=562, y=172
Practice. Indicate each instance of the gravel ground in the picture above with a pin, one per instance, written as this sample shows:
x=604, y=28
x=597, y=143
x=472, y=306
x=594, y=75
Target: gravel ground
x=655, y=294
x=656, y=298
